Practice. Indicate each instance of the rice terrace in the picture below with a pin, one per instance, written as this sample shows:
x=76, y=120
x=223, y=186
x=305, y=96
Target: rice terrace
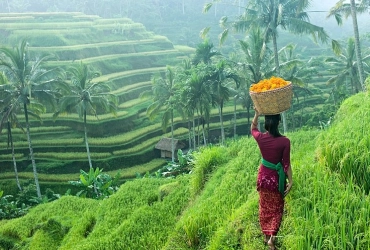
x=126, y=124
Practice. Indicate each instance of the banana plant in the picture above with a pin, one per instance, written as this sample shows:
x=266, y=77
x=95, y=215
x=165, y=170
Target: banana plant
x=96, y=184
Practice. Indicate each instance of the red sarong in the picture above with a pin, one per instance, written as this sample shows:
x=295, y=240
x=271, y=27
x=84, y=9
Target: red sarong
x=271, y=207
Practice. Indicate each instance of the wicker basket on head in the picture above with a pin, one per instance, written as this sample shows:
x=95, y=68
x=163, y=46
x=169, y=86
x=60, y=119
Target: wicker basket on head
x=274, y=101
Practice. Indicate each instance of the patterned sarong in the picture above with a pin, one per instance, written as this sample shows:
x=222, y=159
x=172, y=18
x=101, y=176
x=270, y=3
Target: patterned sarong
x=271, y=207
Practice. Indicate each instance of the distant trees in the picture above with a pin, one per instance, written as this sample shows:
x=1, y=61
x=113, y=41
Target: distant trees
x=197, y=93
x=271, y=15
x=165, y=98
x=203, y=82
x=351, y=9
x=221, y=78
x=30, y=87
x=27, y=86
x=345, y=68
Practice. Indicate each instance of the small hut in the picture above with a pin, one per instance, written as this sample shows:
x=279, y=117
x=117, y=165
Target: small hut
x=164, y=145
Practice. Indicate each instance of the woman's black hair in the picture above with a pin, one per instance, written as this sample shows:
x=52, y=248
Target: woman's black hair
x=272, y=124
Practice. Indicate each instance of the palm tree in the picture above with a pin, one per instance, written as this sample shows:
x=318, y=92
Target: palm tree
x=165, y=98
x=298, y=72
x=270, y=15
x=204, y=53
x=203, y=58
x=256, y=64
x=198, y=98
x=84, y=96
x=256, y=55
x=30, y=84
x=345, y=67
x=220, y=77
x=346, y=9
x=184, y=73
x=8, y=118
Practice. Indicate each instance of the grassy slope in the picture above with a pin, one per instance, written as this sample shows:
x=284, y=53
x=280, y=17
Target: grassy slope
x=213, y=208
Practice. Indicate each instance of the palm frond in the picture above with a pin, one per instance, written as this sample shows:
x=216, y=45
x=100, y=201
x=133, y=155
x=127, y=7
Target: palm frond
x=222, y=37
x=223, y=22
x=166, y=118
x=204, y=32
x=207, y=7
x=336, y=47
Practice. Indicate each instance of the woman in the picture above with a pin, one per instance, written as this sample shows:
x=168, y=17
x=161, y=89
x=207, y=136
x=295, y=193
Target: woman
x=271, y=181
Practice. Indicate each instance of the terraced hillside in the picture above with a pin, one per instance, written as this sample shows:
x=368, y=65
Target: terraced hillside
x=127, y=55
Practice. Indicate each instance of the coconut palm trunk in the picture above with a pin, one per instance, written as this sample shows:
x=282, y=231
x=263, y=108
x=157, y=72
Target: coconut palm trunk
x=31, y=152
x=194, y=137
x=357, y=44
x=198, y=131
x=277, y=65
x=235, y=99
x=13, y=155
x=222, y=124
x=88, y=149
x=172, y=140
x=189, y=134
x=7, y=2
x=86, y=141
x=276, y=54
x=204, y=135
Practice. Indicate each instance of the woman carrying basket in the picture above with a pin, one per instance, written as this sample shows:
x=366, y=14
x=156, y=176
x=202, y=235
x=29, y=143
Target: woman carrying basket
x=272, y=174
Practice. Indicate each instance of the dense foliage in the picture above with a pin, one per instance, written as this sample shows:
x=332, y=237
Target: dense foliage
x=96, y=184
x=215, y=207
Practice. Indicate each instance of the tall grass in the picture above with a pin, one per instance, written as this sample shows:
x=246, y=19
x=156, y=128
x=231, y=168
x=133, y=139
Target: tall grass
x=344, y=147
x=212, y=209
x=323, y=212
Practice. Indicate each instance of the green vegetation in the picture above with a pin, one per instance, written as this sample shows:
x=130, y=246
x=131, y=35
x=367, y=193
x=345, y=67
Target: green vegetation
x=216, y=205
x=127, y=64
x=209, y=201
x=126, y=56
x=349, y=155
x=96, y=184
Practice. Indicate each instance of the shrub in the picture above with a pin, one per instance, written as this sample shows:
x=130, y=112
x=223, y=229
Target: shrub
x=96, y=184
x=184, y=164
x=11, y=209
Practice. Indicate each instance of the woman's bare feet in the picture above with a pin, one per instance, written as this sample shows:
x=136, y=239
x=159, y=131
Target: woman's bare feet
x=271, y=242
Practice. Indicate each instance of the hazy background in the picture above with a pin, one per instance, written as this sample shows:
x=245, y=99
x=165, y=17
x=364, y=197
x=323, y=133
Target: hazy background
x=180, y=20
x=330, y=25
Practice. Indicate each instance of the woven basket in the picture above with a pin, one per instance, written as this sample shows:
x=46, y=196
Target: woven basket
x=274, y=101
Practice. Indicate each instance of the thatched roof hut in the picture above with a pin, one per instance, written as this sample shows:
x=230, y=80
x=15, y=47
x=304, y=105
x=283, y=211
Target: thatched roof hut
x=164, y=145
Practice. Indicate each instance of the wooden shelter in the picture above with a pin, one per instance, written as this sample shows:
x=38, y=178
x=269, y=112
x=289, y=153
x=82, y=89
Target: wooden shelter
x=164, y=145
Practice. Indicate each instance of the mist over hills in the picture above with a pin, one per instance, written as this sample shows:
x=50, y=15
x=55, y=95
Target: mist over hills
x=181, y=21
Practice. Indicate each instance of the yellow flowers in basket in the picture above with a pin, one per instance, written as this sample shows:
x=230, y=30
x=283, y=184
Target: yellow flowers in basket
x=268, y=84
x=271, y=96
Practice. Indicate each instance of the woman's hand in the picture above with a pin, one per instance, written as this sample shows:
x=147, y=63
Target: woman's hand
x=256, y=112
x=255, y=119
x=288, y=187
